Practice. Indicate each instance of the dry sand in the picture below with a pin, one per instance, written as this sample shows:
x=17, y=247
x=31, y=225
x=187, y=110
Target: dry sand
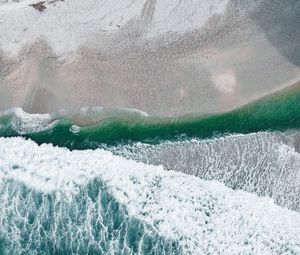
x=234, y=58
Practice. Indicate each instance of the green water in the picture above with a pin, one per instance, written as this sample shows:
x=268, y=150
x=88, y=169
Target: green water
x=280, y=112
x=92, y=221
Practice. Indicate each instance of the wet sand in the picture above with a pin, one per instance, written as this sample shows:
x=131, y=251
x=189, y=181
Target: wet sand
x=227, y=62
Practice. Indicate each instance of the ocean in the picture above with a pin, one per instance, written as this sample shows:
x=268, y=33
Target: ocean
x=117, y=181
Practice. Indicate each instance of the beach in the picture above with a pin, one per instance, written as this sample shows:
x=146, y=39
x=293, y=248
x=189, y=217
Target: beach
x=62, y=59
x=149, y=127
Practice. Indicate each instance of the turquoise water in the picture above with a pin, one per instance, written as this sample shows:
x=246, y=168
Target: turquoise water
x=278, y=112
x=77, y=201
x=56, y=201
x=93, y=222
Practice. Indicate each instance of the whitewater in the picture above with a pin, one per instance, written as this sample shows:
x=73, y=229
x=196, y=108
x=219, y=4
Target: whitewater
x=149, y=127
x=93, y=202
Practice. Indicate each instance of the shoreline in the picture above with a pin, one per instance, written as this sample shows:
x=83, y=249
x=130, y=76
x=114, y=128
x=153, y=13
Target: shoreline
x=230, y=59
x=91, y=128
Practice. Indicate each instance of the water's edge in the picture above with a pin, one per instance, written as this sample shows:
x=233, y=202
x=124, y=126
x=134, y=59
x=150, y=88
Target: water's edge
x=95, y=126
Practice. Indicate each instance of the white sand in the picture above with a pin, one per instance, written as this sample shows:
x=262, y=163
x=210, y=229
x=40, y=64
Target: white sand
x=161, y=57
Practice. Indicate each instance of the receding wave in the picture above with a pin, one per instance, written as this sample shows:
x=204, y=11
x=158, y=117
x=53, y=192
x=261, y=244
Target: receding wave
x=266, y=163
x=119, y=198
x=56, y=201
x=89, y=128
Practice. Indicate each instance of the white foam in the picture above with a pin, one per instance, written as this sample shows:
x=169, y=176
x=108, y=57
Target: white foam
x=109, y=112
x=132, y=110
x=204, y=216
x=24, y=122
x=259, y=162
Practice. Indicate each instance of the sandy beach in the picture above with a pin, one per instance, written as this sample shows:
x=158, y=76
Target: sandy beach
x=138, y=56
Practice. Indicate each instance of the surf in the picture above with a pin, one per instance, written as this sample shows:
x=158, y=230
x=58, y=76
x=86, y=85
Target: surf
x=59, y=201
x=91, y=127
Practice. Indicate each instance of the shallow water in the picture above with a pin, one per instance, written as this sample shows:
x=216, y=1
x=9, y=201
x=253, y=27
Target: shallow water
x=57, y=201
x=127, y=183
x=91, y=128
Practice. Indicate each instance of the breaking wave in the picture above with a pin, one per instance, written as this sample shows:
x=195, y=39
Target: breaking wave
x=91, y=127
x=56, y=201
x=128, y=183
x=266, y=163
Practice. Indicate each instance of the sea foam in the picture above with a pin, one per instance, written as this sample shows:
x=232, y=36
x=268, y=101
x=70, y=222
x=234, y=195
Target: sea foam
x=265, y=163
x=201, y=216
